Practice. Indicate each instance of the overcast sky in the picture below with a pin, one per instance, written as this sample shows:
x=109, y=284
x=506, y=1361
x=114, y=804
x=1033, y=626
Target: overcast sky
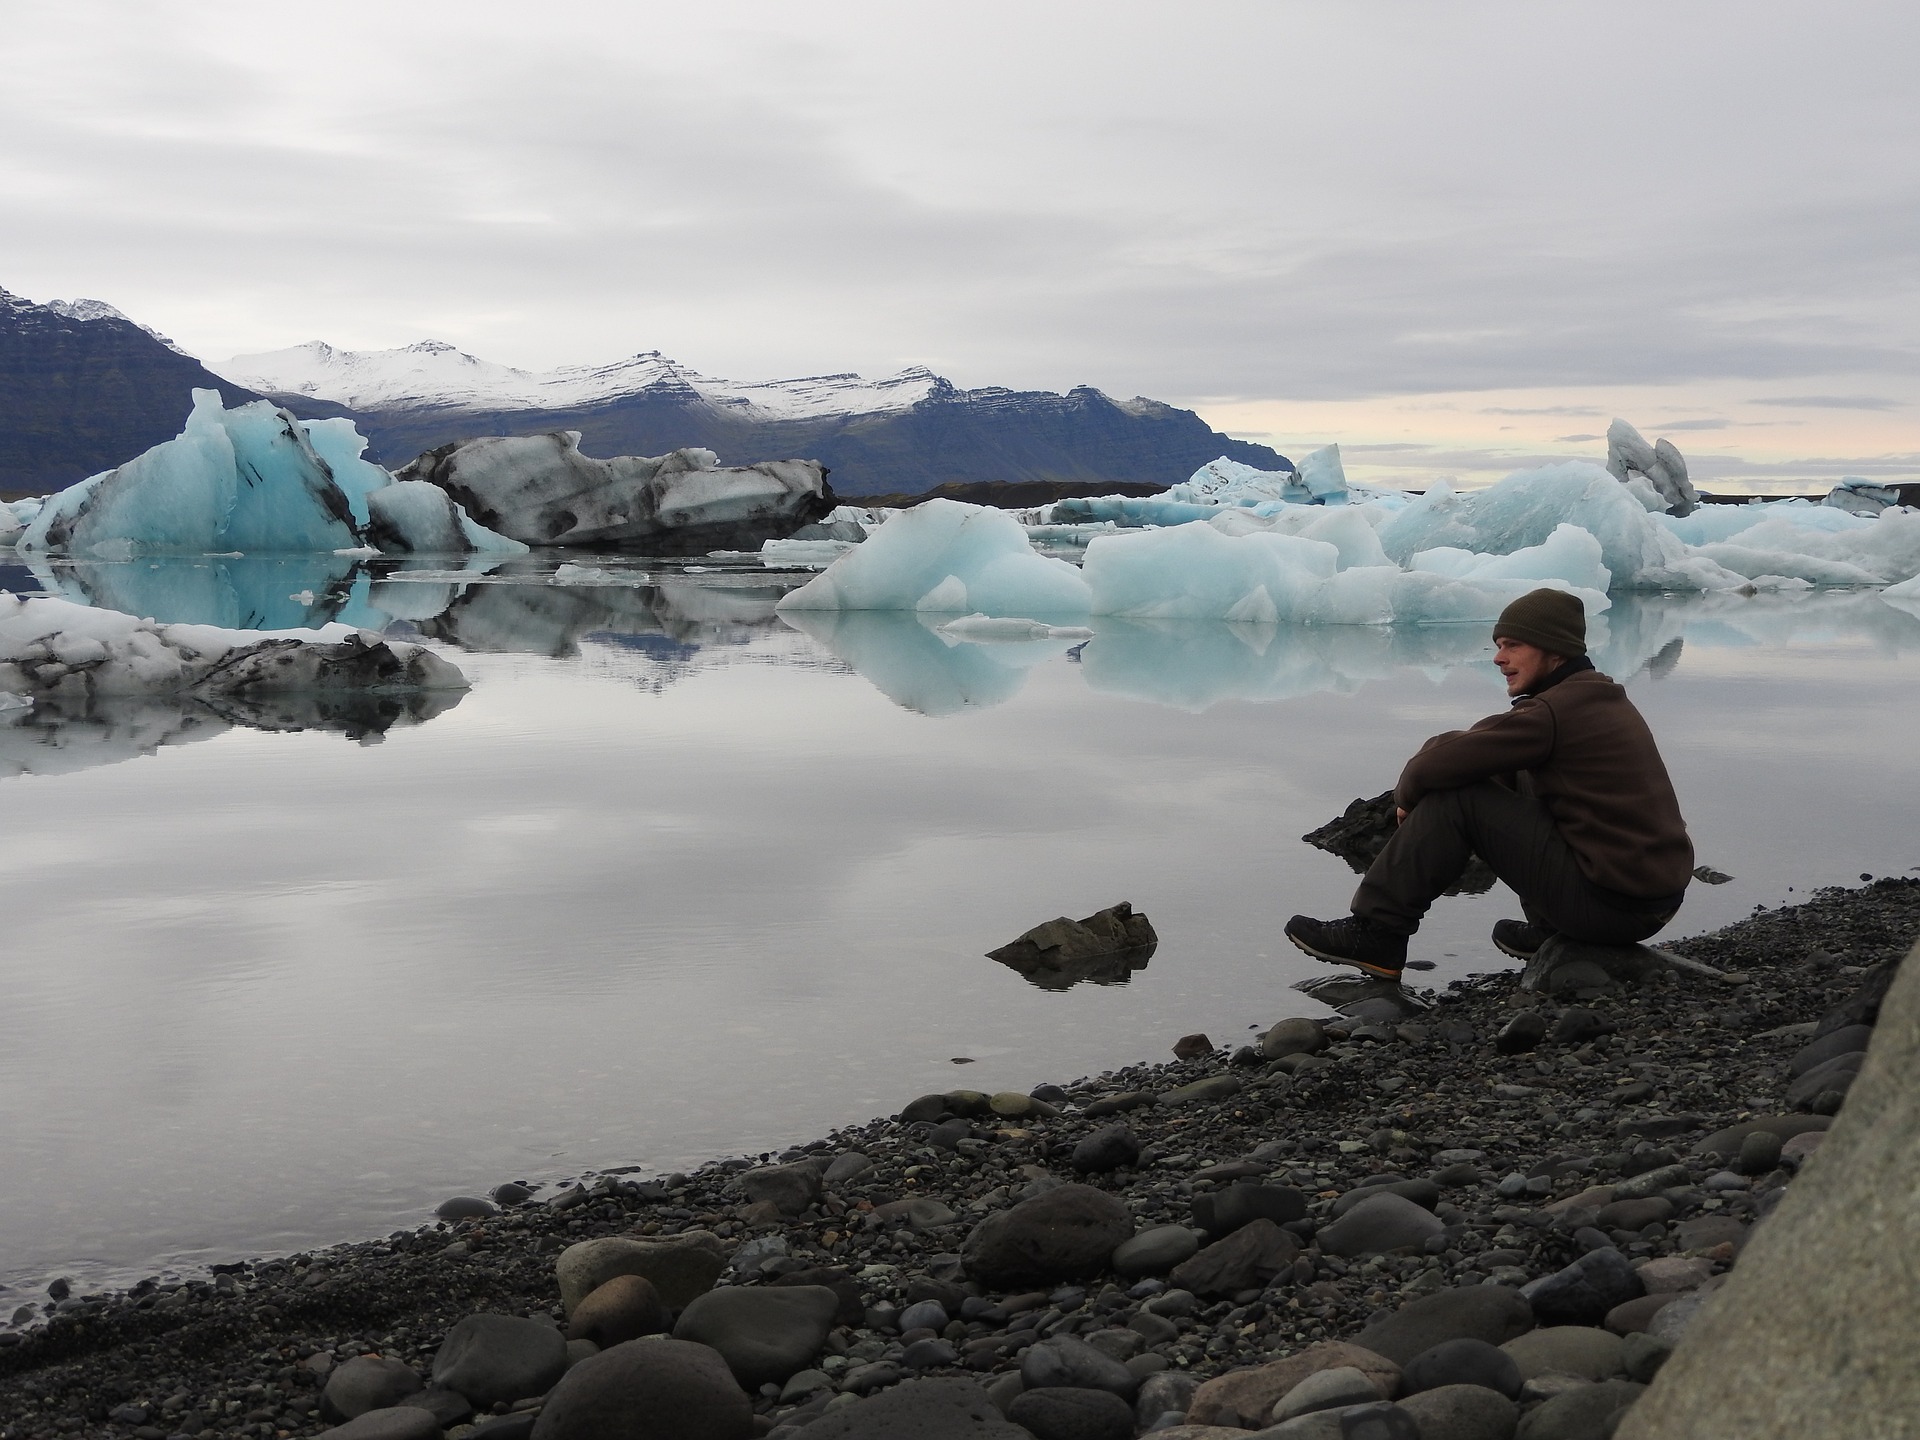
x=1448, y=236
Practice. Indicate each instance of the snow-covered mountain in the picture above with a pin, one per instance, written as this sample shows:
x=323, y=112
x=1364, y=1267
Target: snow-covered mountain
x=84, y=387
x=905, y=434
x=433, y=373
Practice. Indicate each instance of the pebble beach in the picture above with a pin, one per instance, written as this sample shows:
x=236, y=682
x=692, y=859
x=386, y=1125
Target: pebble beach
x=1492, y=1212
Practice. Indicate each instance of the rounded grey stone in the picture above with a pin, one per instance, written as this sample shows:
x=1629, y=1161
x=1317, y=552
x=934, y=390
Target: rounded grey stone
x=1063, y=1361
x=367, y=1382
x=765, y=1334
x=1462, y=1412
x=649, y=1389
x=490, y=1358
x=1067, y=1414
x=400, y=1422
x=1155, y=1251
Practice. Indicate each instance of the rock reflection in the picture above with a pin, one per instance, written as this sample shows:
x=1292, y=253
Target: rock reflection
x=58, y=737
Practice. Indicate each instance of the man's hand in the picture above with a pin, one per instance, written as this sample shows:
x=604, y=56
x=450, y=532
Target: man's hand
x=1399, y=815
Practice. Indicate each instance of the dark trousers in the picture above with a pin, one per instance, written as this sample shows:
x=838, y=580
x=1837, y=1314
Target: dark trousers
x=1516, y=836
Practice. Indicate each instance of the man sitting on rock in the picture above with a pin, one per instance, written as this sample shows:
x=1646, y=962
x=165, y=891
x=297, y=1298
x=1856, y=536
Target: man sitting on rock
x=1564, y=795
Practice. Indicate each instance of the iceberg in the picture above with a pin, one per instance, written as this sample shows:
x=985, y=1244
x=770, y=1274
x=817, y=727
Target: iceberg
x=1229, y=482
x=248, y=480
x=411, y=517
x=1656, y=475
x=947, y=557
x=540, y=490
x=52, y=649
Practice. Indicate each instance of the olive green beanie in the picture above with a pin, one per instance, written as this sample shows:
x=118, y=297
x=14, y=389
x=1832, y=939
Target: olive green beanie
x=1551, y=619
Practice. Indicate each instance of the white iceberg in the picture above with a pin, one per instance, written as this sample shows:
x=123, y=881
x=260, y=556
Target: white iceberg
x=411, y=517
x=1656, y=475
x=947, y=557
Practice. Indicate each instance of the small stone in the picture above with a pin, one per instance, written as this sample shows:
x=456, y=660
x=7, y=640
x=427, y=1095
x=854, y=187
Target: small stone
x=844, y=1168
x=679, y=1270
x=1072, y=1414
x=1584, y=1412
x=1246, y=1260
x=1584, y=1291
x=1835, y=1075
x=465, y=1207
x=791, y=1188
x=1379, y=1224
x=1635, y=1214
x=932, y=1409
x=1168, y=1393
x=1214, y=1087
x=1245, y=1398
x=1633, y=1316
x=1522, y=1033
x=1064, y=1234
x=923, y=1315
x=1795, y=1152
x=1462, y=1412
x=365, y=1383
x=1707, y=1231
x=1297, y=1036
x=489, y=1358
x=929, y=1355
x=1333, y=1389
x=1462, y=1362
x=765, y=1334
x=1108, y=1148
x=1221, y=1212
x=511, y=1193
x=402, y=1422
x=1582, y=1350
x=1673, y=1318
x=1671, y=1274
x=1155, y=1251
x=1121, y=1345
x=650, y=1389
x=1382, y=1420
x=1641, y=1357
x=1577, y=1025
x=1192, y=1047
x=1492, y=1313
x=1063, y=1360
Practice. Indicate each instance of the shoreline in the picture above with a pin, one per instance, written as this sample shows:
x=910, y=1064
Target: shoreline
x=1684, y=1058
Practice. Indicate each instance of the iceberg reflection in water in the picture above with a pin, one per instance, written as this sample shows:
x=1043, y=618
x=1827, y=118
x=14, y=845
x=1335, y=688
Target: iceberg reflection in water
x=1196, y=664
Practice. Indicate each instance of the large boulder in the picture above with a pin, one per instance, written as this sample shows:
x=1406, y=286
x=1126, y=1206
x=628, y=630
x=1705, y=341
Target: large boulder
x=764, y=1333
x=1380, y=1223
x=540, y=490
x=1065, y=1233
x=1812, y=1332
x=489, y=1358
x=647, y=1390
x=678, y=1270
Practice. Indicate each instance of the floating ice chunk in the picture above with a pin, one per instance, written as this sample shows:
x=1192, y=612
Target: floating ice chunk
x=411, y=517
x=1003, y=628
x=1570, y=554
x=1194, y=572
x=1324, y=476
x=1869, y=552
x=803, y=554
x=1229, y=482
x=1522, y=510
x=1659, y=468
x=73, y=653
x=1860, y=496
x=571, y=574
x=242, y=479
x=944, y=556
x=1722, y=522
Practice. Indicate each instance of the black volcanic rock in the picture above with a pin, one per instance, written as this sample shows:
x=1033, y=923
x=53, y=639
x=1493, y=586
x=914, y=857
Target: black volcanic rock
x=80, y=396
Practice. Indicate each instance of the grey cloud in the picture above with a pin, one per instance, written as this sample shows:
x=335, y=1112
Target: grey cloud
x=1575, y=439
x=1831, y=402
x=1693, y=425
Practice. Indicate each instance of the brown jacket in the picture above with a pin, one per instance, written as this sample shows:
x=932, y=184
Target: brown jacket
x=1589, y=754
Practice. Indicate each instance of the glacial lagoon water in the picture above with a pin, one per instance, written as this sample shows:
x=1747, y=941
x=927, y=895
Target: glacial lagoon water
x=677, y=880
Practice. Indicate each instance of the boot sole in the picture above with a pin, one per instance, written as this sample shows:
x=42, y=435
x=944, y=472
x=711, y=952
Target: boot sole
x=1379, y=972
x=1515, y=952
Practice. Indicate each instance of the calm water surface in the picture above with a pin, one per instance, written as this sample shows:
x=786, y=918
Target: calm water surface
x=677, y=880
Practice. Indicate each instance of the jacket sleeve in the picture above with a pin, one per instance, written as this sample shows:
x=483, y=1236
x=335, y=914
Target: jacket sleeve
x=1497, y=746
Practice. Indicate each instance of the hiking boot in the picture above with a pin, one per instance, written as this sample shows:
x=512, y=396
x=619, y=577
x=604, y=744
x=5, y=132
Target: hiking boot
x=1520, y=938
x=1352, y=941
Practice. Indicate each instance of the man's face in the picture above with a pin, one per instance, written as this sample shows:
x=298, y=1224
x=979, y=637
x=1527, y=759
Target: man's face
x=1524, y=665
